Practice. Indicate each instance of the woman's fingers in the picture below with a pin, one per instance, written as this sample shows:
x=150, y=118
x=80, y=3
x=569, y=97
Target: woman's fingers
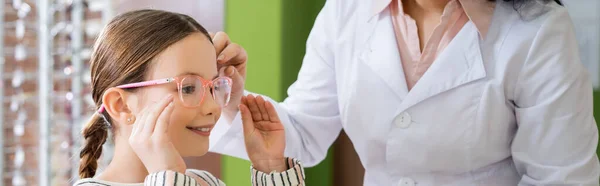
x=233, y=54
x=162, y=124
x=260, y=102
x=153, y=114
x=253, y=107
x=220, y=41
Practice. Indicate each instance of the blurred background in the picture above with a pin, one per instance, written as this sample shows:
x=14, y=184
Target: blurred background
x=45, y=78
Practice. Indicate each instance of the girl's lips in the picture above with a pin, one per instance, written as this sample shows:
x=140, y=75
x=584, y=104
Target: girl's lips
x=203, y=131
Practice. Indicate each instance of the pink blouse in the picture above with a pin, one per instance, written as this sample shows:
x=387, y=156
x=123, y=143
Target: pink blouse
x=456, y=14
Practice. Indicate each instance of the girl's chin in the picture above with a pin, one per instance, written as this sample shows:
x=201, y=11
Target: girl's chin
x=193, y=152
x=191, y=146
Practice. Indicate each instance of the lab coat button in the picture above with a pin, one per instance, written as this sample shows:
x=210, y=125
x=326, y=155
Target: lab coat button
x=406, y=182
x=403, y=120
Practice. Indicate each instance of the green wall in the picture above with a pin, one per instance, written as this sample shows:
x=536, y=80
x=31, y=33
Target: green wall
x=298, y=19
x=256, y=25
x=597, y=112
x=274, y=33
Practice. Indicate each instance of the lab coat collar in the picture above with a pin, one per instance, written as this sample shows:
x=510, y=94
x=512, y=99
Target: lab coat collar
x=480, y=12
x=459, y=64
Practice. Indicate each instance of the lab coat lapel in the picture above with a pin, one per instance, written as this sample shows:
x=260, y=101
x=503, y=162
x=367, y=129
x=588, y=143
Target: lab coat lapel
x=460, y=63
x=379, y=52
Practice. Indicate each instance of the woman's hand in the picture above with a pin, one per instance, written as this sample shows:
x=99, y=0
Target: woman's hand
x=231, y=62
x=263, y=134
x=150, y=141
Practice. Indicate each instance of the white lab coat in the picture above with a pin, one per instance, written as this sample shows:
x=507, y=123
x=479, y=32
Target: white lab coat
x=513, y=108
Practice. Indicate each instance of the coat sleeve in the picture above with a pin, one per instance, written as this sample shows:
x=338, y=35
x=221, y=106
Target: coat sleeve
x=557, y=135
x=310, y=114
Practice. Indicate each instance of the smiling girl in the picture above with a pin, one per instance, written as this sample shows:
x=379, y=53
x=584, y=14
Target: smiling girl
x=157, y=89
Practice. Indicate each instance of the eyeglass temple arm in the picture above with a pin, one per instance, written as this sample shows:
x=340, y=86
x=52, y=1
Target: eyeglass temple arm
x=147, y=83
x=141, y=84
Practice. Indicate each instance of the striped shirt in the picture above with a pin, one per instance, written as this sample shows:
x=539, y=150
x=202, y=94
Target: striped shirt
x=294, y=176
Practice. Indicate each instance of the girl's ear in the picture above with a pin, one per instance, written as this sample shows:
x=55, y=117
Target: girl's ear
x=115, y=104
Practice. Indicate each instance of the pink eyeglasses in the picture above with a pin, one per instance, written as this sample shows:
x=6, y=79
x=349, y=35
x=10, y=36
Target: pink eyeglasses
x=191, y=89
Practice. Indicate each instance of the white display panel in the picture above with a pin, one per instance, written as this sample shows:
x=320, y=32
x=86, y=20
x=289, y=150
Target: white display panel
x=209, y=13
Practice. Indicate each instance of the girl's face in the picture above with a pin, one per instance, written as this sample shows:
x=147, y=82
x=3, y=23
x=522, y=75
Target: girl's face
x=189, y=127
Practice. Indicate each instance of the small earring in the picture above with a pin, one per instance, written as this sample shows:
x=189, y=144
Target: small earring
x=128, y=120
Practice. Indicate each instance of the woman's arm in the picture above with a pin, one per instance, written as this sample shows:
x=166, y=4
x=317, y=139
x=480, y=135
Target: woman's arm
x=557, y=136
x=310, y=114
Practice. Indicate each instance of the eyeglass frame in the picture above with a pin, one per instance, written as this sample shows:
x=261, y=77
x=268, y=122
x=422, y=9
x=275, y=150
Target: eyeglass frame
x=178, y=80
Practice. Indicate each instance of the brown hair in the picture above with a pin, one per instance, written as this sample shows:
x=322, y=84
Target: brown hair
x=122, y=54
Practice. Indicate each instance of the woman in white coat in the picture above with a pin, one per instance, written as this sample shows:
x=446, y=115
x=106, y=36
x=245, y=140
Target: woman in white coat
x=437, y=92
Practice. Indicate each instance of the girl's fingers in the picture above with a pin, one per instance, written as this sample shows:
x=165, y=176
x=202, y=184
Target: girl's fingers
x=138, y=123
x=272, y=112
x=247, y=121
x=152, y=117
x=253, y=107
x=243, y=101
x=143, y=118
x=162, y=124
x=260, y=102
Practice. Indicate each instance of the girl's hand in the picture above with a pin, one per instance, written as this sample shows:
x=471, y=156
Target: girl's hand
x=150, y=141
x=263, y=134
